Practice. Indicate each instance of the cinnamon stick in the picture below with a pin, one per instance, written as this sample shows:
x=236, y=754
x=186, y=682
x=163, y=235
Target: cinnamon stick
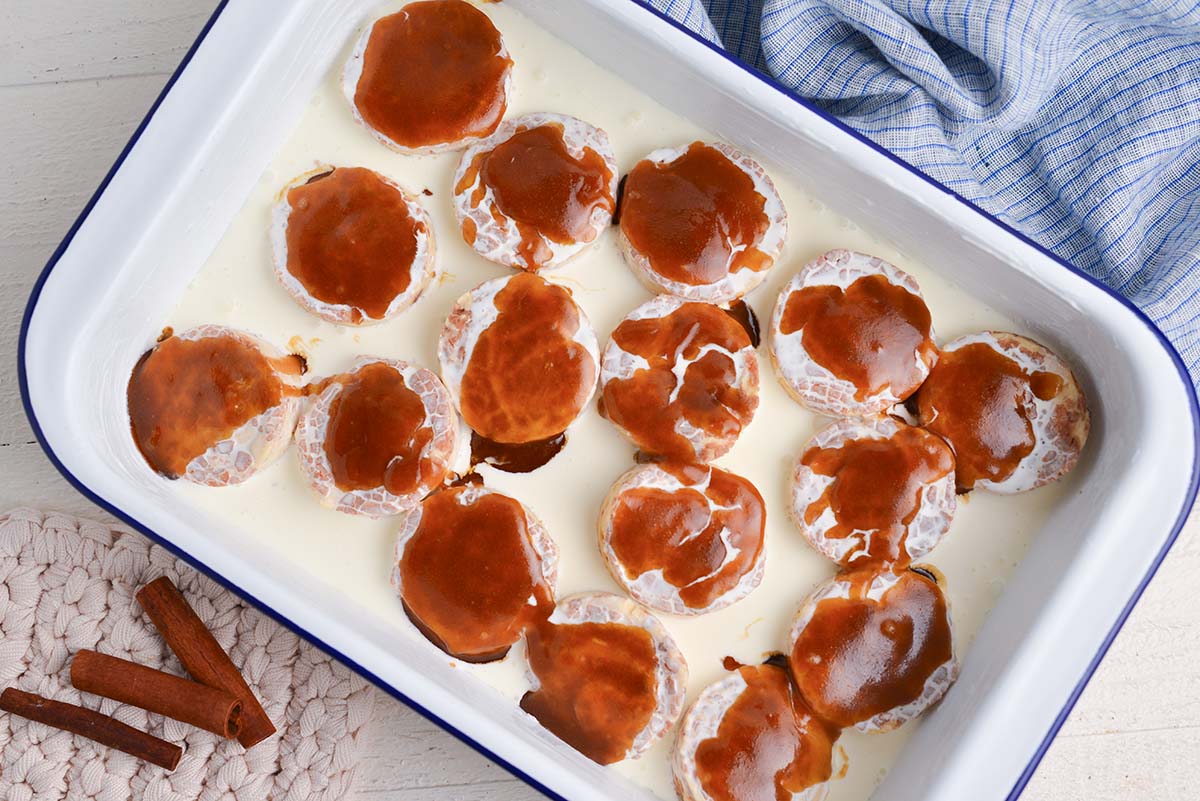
x=92, y=725
x=197, y=704
x=201, y=655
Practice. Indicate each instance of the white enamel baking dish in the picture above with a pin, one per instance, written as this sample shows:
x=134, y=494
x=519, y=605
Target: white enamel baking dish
x=240, y=91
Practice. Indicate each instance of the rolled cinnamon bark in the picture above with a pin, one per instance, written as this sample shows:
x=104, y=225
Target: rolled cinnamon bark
x=201, y=655
x=92, y=725
x=187, y=701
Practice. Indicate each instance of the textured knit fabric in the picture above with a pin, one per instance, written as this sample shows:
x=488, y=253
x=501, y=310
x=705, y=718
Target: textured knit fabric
x=1074, y=121
x=67, y=584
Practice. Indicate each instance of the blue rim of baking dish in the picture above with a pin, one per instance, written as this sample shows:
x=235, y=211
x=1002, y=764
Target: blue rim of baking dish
x=1059, y=720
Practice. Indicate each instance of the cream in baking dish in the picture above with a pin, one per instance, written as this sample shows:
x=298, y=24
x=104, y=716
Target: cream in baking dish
x=354, y=554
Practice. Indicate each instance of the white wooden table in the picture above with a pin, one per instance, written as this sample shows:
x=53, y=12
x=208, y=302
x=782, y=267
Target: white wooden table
x=75, y=79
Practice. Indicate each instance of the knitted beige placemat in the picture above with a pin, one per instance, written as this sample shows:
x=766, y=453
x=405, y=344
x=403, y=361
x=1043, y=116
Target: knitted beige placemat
x=68, y=584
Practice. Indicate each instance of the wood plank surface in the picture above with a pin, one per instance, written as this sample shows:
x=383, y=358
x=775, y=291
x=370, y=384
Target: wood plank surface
x=76, y=78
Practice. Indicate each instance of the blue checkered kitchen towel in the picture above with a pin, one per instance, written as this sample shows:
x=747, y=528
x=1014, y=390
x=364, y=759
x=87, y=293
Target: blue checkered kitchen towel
x=1074, y=121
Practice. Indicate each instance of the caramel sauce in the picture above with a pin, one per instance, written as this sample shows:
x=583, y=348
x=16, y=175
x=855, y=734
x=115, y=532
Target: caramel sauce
x=1045, y=386
x=185, y=395
x=858, y=657
x=690, y=216
x=978, y=400
x=544, y=190
x=468, y=479
x=433, y=73
x=740, y=310
x=877, y=487
x=598, y=684
x=872, y=334
x=527, y=378
x=689, y=534
x=650, y=403
x=845, y=764
x=523, y=458
x=378, y=432
x=768, y=745
x=471, y=580
x=775, y=659
x=616, y=216
x=294, y=364
x=351, y=240
x=778, y=659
